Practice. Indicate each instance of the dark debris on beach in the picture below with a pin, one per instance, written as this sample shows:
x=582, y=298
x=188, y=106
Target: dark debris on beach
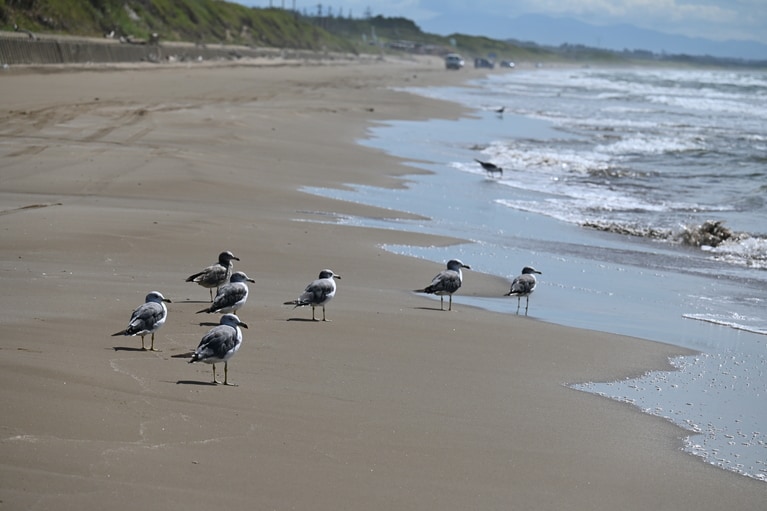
x=711, y=233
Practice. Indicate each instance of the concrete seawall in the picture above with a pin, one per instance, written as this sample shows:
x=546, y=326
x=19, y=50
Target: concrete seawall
x=21, y=49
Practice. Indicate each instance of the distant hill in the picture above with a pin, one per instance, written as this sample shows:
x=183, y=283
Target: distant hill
x=545, y=30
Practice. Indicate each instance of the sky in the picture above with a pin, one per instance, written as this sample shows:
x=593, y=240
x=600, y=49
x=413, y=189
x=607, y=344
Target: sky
x=717, y=20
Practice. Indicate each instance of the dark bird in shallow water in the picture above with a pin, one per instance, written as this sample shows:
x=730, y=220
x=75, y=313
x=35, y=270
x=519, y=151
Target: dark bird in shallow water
x=524, y=285
x=446, y=282
x=490, y=168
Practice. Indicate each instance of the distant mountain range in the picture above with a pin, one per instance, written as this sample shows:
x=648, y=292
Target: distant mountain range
x=548, y=31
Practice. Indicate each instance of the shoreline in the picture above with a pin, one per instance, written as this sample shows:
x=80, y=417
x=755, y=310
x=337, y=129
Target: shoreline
x=392, y=404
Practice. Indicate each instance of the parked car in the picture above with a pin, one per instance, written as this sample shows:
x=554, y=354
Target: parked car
x=508, y=63
x=453, y=61
x=480, y=62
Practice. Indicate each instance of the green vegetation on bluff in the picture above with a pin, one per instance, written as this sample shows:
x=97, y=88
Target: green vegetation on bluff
x=205, y=21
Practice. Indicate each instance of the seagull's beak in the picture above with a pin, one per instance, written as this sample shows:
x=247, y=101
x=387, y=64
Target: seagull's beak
x=166, y=300
x=336, y=276
x=243, y=325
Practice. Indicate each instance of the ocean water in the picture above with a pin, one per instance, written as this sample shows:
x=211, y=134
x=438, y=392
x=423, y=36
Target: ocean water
x=641, y=194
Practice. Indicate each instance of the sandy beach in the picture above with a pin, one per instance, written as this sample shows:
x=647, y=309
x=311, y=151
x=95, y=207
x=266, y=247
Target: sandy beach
x=118, y=181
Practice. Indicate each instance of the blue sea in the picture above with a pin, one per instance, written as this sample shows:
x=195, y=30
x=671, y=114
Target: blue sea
x=641, y=196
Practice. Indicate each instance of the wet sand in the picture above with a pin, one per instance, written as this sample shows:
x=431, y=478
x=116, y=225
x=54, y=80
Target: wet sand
x=117, y=182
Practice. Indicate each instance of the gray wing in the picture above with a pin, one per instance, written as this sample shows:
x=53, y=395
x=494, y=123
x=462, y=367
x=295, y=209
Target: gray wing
x=229, y=295
x=317, y=292
x=446, y=281
x=522, y=285
x=212, y=276
x=144, y=318
x=216, y=343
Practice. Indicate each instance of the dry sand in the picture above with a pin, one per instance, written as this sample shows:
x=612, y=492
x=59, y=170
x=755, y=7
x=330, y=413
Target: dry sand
x=118, y=182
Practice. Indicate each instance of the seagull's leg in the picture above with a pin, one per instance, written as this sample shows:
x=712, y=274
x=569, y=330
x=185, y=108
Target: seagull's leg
x=215, y=381
x=226, y=375
x=313, y=313
x=323, y=313
x=518, y=300
x=441, y=302
x=210, y=290
x=142, y=342
x=152, y=348
x=527, y=303
x=450, y=307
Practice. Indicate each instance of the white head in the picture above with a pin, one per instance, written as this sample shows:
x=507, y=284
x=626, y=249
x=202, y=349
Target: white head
x=328, y=274
x=157, y=297
x=232, y=321
x=456, y=265
x=240, y=276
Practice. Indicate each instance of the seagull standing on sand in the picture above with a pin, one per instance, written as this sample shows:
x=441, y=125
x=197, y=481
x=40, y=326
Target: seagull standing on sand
x=220, y=344
x=215, y=275
x=524, y=285
x=318, y=293
x=446, y=282
x=147, y=318
x=490, y=168
x=230, y=297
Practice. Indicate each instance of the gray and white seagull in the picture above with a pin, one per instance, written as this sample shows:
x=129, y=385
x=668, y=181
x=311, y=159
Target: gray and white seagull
x=318, y=293
x=446, y=282
x=524, y=285
x=215, y=275
x=147, y=318
x=220, y=344
x=230, y=297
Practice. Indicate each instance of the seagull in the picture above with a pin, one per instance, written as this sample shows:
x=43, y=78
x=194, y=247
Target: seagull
x=318, y=293
x=147, y=318
x=230, y=297
x=215, y=275
x=490, y=168
x=446, y=282
x=524, y=285
x=220, y=344
x=500, y=110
